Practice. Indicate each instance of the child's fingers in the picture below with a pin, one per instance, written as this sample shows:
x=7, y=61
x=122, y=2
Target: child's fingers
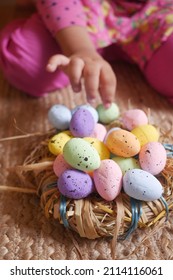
x=91, y=76
x=75, y=69
x=56, y=61
x=107, y=86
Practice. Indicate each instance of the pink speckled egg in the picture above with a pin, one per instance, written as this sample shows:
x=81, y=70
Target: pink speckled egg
x=60, y=165
x=99, y=132
x=152, y=157
x=133, y=118
x=108, y=179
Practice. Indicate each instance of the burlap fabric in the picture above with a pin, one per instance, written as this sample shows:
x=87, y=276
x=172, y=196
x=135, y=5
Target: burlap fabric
x=25, y=233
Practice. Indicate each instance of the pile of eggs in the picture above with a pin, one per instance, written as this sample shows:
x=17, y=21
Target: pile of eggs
x=91, y=159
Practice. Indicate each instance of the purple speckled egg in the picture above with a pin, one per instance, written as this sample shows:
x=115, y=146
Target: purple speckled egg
x=75, y=184
x=82, y=123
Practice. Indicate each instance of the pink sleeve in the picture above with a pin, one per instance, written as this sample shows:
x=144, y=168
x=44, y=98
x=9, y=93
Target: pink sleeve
x=59, y=14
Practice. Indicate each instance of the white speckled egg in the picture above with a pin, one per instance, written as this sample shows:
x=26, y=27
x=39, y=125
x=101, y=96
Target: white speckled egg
x=75, y=184
x=142, y=185
x=81, y=155
x=133, y=118
x=92, y=110
x=82, y=123
x=59, y=116
x=152, y=157
x=108, y=179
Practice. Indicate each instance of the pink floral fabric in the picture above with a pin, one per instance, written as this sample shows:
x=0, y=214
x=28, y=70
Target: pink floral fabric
x=139, y=27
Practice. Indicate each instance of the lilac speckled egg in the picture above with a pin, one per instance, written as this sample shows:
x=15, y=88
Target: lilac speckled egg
x=142, y=185
x=92, y=110
x=108, y=179
x=82, y=123
x=133, y=118
x=60, y=165
x=75, y=184
x=152, y=157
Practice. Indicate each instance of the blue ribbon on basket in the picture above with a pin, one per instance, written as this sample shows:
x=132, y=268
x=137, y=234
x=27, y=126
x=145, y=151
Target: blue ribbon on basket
x=166, y=207
x=136, y=209
x=62, y=210
x=169, y=148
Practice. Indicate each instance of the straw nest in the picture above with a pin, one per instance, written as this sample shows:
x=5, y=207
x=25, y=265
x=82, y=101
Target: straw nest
x=92, y=217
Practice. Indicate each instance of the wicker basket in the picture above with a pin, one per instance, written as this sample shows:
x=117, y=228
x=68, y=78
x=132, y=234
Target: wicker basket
x=92, y=217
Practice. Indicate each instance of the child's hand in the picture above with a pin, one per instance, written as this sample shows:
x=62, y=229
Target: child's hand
x=97, y=74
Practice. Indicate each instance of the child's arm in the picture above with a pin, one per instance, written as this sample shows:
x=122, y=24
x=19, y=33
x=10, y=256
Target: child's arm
x=83, y=61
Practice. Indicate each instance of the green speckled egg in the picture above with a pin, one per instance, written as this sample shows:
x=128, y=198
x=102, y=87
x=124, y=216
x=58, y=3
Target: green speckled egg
x=81, y=155
x=107, y=116
x=126, y=163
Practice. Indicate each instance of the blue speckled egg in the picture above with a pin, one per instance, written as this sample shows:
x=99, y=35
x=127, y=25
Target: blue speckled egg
x=75, y=184
x=142, y=185
x=59, y=116
x=82, y=123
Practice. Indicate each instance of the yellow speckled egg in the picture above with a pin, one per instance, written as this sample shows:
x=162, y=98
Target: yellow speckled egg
x=101, y=148
x=146, y=133
x=123, y=143
x=57, y=142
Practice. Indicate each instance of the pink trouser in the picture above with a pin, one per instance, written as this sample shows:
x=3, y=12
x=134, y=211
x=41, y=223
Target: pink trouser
x=26, y=46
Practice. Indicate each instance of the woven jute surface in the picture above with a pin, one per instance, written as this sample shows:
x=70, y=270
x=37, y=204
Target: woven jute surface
x=25, y=233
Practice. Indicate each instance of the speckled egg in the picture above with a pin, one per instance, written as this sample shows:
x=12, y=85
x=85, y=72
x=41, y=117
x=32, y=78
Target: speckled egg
x=60, y=165
x=82, y=123
x=109, y=131
x=123, y=143
x=99, y=132
x=57, y=142
x=59, y=116
x=107, y=116
x=108, y=179
x=146, y=133
x=152, y=157
x=133, y=118
x=142, y=185
x=126, y=164
x=92, y=110
x=81, y=155
x=101, y=148
x=75, y=184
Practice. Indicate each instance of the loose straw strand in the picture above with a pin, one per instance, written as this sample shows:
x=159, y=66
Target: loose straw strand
x=17, y=189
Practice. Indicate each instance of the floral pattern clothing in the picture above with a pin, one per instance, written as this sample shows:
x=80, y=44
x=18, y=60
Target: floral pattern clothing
x=138, y=27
